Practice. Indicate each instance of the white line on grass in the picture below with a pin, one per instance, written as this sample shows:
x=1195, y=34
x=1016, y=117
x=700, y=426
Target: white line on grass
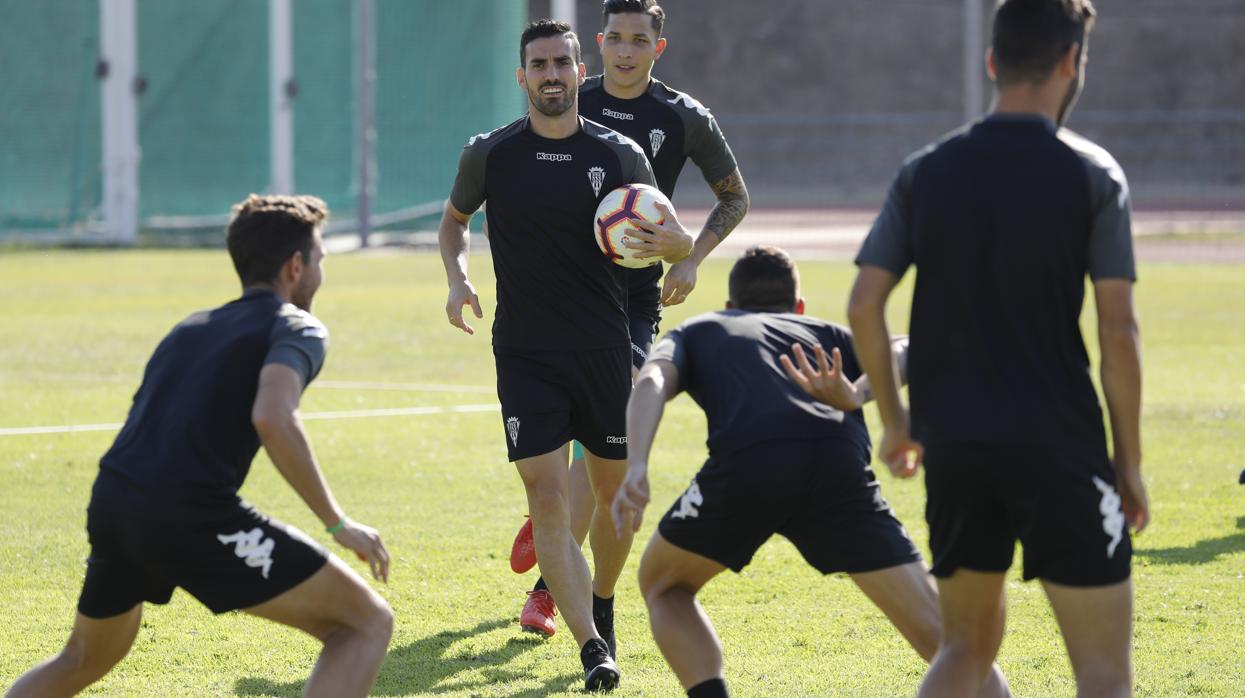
x=349, y=414
x=415, y=387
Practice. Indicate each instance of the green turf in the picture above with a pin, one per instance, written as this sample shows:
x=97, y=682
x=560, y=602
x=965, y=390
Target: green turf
x=78, y=325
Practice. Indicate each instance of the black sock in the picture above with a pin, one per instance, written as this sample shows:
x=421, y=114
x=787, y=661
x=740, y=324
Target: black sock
x=593, y=653
x=540, y=584
x=602, y=607
x=713, y=688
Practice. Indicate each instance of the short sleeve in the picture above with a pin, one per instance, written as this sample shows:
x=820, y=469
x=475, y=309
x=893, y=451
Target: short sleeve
x=671, y=349
x=708, y=148
x=300, y=341
x=641, y=171
x=889, y=243
x=468, y=193
x=1111, y=232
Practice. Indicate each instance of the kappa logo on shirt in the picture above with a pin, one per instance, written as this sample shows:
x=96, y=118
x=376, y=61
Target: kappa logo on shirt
x=596, y=177
x=688, y=102
x=554, y=157
x=251, y=547
x=691, y=499
x=621, y=116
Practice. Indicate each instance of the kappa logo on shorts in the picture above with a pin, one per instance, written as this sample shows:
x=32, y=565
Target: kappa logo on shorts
x=655, y=138
x=512, y=428
x=596, y=176
x=616, y=440
x=691, y=499
x=1112, y=516
x=252, y=547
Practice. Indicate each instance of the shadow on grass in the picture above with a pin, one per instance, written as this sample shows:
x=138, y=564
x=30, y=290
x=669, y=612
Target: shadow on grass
x=425, y=667
x=1201, y=552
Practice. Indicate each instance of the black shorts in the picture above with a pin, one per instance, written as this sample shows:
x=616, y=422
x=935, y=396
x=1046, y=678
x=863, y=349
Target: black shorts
x=1060, y=504
x=230, y=559
x=821, y=495
x=643, y=334
x=550, y=397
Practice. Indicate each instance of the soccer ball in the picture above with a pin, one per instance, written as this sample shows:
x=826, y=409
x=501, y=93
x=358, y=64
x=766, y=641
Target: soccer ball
x=614, y=224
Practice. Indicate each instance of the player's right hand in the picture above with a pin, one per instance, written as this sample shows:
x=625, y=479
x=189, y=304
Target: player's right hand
x=367, y=546
x=462, y=293
x=1133, y=497
x=901, y=454
x=627, y=509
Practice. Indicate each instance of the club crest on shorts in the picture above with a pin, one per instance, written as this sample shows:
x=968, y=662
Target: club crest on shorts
x=596, y=176
x=1112, y=516
x=252, y=548
x=691, y=499
x=512, y=428
x=655, y=138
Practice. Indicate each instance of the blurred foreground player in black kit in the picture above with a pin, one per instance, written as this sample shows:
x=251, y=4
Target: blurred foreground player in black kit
x=780, y=461
x=164, y=510
x=1002, y=221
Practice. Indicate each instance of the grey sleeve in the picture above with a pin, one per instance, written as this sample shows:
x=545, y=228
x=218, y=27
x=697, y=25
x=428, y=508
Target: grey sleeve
x=708, y=148
x=641, y=171
x=468, y=193
x=670, y=348
x=1111, y=234
x=300, y=341
x=889, y=243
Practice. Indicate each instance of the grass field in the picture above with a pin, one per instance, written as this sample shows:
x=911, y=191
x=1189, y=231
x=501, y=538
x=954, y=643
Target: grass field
x=77, y=327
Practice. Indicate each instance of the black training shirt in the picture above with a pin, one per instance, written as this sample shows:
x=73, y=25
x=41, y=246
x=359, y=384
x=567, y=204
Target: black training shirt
x=670, y=127
x=555, y=289
x=188, y=441
x=1003, y=220
x=728, y=363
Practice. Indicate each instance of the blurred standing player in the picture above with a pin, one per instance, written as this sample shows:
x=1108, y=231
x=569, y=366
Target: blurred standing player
x=164, y=510
x=560, y=337
x=671, y=127
x=779, y=462
x=1002, y=221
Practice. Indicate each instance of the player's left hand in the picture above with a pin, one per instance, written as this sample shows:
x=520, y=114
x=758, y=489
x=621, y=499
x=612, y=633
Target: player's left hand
x=679, y=282
x=670, y=240
x=627, y=509
x=900, y=452
x=826, y=383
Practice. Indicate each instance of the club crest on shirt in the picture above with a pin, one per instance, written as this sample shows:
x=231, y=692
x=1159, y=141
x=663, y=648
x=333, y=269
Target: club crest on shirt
x=512, y=428
x=655, y=138
x=596, y=176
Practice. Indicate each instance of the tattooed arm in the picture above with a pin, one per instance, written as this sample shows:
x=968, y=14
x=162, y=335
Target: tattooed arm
x=726, y=214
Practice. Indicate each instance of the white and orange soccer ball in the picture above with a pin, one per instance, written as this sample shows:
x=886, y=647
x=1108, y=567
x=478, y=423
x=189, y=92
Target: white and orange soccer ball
x=614, y=223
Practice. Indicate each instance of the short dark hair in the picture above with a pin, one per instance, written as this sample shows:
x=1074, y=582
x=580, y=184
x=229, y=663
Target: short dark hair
x=265, y=231
x=764, y=278
x=1030, y=36
x=643, y=7
x=543, y=28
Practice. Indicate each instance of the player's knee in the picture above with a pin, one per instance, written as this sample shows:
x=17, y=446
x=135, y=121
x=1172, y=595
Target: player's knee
x=380, y=621
x=89, y=663
x=548, y=506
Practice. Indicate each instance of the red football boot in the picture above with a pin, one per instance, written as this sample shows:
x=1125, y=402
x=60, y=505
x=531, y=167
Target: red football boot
x=523, y=550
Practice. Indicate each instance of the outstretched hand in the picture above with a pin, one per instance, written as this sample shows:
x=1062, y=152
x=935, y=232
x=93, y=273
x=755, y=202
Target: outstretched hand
x=627, y=509
x=825, y=383
x=367, y=546
x=668, y=240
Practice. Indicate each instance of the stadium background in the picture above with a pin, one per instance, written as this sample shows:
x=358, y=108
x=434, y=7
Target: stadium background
x=820, y=100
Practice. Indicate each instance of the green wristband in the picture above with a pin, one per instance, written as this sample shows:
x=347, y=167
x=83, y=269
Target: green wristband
x=336, y=527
